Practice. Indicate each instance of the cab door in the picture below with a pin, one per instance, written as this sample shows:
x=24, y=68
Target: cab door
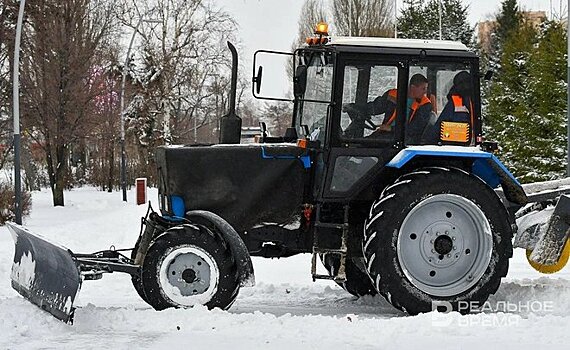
x=358, y=148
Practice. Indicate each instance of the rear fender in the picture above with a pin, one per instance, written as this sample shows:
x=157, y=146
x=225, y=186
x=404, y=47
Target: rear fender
x=483, y=164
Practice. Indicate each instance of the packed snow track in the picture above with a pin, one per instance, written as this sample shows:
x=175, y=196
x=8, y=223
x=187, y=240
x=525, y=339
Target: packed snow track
x=285, y=310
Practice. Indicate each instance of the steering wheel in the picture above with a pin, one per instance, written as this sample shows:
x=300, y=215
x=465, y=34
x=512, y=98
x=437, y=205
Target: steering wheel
x=357, y=115
x=369, y=124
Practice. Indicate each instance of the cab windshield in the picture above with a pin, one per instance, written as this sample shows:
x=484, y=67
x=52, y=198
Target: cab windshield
x=313, y=106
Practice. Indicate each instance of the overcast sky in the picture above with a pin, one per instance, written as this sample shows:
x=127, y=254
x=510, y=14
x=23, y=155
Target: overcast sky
x=272, y=24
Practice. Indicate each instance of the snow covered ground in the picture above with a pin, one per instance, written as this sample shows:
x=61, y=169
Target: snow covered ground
x=285, y=310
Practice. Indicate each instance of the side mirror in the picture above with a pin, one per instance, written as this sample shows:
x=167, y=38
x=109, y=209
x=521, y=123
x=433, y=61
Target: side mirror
x=488, y=75
x=257, y=79
x=300, y=81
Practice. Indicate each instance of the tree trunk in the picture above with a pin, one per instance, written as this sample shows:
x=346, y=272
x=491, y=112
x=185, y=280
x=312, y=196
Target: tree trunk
x=111, y=161
x=57, y=190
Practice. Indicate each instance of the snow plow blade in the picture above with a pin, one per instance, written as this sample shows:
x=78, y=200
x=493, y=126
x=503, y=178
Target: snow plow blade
x=548, y=241
x=44, y=273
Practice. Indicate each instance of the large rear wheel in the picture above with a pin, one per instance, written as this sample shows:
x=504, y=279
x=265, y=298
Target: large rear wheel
x=437, y=234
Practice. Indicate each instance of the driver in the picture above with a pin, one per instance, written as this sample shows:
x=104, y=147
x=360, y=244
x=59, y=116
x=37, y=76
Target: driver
x=419, y=109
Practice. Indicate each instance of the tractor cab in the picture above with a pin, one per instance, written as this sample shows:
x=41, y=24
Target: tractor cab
x=359, y=92
x=358, y=102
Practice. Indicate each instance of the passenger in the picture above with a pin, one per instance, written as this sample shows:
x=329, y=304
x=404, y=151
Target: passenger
x=418, y=112
x=458, y=109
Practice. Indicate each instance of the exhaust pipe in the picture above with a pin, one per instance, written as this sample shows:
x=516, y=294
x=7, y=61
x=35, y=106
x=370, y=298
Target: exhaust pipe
x=230, y=124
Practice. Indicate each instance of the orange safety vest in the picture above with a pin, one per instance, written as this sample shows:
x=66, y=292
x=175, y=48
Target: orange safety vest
x=459, y=107
x=393, y=95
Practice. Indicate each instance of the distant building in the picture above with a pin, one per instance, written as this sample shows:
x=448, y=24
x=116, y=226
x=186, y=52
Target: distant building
x=484, y=31
x=486, y=28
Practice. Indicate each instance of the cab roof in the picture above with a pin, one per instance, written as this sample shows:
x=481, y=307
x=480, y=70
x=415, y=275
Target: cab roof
x=397, y=43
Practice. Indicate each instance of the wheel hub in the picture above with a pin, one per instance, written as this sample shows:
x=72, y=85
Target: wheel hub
x=444, y=245
x=189, y=275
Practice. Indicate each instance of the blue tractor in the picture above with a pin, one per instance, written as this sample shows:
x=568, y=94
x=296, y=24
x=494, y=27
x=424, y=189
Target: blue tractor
x=392, y=189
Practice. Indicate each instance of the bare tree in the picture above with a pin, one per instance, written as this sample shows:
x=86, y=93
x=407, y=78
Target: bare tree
x=363, y=17
x=6, y=49
x=312, y=12
x=184, y=69
x=62, y=45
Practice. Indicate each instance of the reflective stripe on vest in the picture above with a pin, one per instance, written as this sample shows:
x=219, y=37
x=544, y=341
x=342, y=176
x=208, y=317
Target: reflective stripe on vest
x=458, y=104
x=461, y=108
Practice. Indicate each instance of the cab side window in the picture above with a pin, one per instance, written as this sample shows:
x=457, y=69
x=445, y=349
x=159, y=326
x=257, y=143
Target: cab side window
x=369, y=100
x=450, y=117
x=456, y=117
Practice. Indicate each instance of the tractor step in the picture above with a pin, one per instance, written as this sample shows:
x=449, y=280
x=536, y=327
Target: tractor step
x=328, y=251
x=329, y=277
x=339, y=275
x=329, y=225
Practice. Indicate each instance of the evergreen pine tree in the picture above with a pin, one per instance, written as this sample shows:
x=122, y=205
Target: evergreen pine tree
x=508, y=114
x=508, y=20
x=411, y=19
x=420, y=20
x=544, y=141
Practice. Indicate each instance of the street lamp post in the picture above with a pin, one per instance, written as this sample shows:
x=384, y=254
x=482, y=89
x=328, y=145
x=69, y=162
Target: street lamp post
x=568, y=93
x=396, y=19
x=16, y=111
x=122, y=108
x=439, y=12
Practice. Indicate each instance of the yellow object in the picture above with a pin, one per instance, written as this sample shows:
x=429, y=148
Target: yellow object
x=322, y=29
x=551, y=268
x=454, y=132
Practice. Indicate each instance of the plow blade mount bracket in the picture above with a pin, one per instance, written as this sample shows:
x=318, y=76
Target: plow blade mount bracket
x=44, y=273
x=550, y=245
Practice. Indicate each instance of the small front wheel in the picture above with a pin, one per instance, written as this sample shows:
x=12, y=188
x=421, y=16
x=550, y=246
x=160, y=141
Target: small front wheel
x=189, y=265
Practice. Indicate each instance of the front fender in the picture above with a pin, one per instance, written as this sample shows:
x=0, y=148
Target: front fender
x=235, y=243
x=484, y=165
